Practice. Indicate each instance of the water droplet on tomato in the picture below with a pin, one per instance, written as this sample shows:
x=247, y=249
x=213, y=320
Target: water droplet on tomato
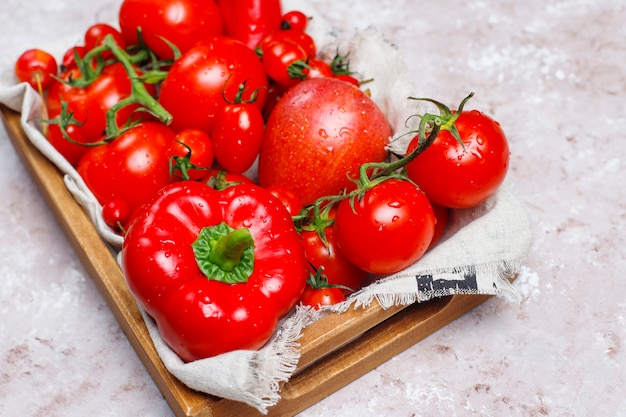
x=323, y=133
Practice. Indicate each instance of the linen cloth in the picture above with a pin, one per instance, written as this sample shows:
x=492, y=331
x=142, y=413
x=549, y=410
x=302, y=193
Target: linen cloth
x=483, y=247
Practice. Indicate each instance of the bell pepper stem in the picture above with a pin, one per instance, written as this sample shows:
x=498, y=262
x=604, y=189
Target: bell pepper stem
x=226, y=252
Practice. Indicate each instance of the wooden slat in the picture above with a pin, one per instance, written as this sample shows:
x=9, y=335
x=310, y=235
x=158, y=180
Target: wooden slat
x=334, y=351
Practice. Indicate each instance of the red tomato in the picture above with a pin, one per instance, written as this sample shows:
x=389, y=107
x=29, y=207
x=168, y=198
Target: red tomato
x=237, y=134
x=274, y=94
x=461, y=176
x=284, y=62
x=181, y=22
x=69, y=58
x=249, y=21
x=71, y=149
x=220, y=179
x=321, y=130
x=95, y=34
x=319, y=297
x=388, y=229
x=302, y=39
x=337, y=268
x=349, y=79
x=36, y=67
x=195, y=87
x=90, y=104
x=316, y=68
x=290, y=199
x=295, y=20
x=132, y=168
x=191, y=154
x=115, y=214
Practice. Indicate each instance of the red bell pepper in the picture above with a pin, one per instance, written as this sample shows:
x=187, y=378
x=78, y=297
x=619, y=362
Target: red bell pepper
x=215, y=269
x=250, y=20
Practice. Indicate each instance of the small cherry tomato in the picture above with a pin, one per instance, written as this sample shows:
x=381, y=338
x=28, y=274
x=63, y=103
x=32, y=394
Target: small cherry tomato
x=68, y=145
x=69, y=58
x=95, y=34
x=386, y=230
x=316, y=68
x=290, y=199
x=237, y=134
x=295, y=20
x=37, y=68
x=327, y=255
x=220, y=179
x=349, y=79
x=279, y=60
x=191, y=154
x=115, y=214
x=319, y=297
x=302, y=39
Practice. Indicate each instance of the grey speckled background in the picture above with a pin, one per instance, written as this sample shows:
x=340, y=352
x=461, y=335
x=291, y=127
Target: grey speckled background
x=553, y=74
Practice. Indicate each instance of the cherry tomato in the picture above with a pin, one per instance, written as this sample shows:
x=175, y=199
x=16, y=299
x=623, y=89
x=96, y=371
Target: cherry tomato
x=131, y=168
x=462, y=175
x=91, y=103
x=349, y=79
x=249, y=21
x=191, y=154
x=69, y=58
x=319, y=297
x=95, y=34
x=295, y=20
x=302, y=39
x=237, y=134
x=280, y=58
x=37, y=68
x=71, y=149
x=195, y=87
x=388, y=229
x=337, y=268
x=181, y=22
x=274, y=94
x=290, y=199
x=220, y=179
x=316, y=68
x=335, y=128
x=115, y=214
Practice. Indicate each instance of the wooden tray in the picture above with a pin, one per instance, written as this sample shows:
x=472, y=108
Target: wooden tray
x=334, y=351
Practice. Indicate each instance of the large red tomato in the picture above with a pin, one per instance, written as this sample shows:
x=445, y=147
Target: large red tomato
x=386, y=230
x=132, y=168
x=197, y=84
x=90, y=104
x=462, y=175
x=181, y=22
x=321, y=130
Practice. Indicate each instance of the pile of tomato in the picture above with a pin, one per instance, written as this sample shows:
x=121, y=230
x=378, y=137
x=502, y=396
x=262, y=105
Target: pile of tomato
x=245, y=173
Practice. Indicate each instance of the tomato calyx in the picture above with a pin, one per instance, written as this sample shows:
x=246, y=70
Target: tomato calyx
x=318, y=280
x=445, y=120
x=241, y=89
x=181, y=165
x=225, y=254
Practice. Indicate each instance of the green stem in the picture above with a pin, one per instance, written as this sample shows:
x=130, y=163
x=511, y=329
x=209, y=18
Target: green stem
x=227, y=251
x=139, y=93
